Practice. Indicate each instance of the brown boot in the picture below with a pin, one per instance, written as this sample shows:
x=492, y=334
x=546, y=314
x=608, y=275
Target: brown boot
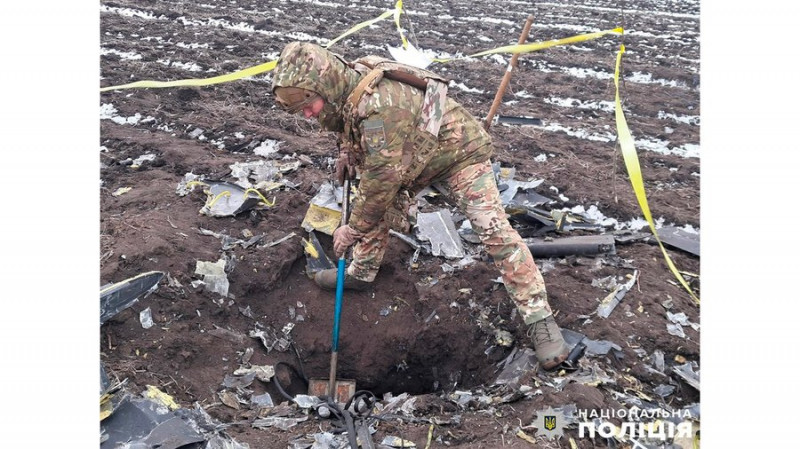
x=548, y=343
x=327, y=280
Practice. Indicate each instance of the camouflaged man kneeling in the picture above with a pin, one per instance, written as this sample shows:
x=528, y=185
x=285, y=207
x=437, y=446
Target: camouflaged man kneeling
x=397, y=126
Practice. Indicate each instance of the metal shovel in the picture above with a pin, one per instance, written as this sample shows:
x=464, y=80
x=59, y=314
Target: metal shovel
x=339, y=294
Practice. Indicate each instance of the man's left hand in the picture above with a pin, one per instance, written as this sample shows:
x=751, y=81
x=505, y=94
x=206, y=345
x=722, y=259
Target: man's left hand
x=344, y=237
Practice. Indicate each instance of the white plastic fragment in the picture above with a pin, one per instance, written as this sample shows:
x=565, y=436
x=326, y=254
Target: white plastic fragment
x=146, y=318
x=214, y=277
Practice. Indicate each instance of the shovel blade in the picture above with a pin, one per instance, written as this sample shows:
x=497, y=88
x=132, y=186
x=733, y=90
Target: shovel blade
x=345, y=388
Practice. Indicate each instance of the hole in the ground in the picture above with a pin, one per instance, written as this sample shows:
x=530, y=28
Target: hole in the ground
x=441, y=358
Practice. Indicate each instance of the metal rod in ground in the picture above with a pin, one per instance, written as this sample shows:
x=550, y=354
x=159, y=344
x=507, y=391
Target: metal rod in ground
x=507, y=76
x=337, y=313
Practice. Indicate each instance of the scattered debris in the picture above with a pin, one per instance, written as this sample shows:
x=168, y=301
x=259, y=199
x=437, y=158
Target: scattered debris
x=122, y=191
x=612, y=300
x=214, y=277
x=229, y=242
x=664, y=390
x=262, y=372
x=503, y=338
x=517, y=364
x=688, y=374
x=271, y=339
x=316, y=258
x=582, y=245
x=226, y=199
x=439, y=229
x=521, y=121
x=275, y=421
x=188, y=183
x=117, y=297
x=227, y=334
x=146, y=423
x=230, y=399
x=146, y=318
x=262, y=400
x=681, y=239
x=232, y=381
x=397, y=442
x=676, y=330
x=277, y=242
x=324, y=214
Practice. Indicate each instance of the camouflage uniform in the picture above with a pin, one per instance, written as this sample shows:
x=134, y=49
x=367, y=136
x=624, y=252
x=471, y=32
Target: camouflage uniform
x=375, y=132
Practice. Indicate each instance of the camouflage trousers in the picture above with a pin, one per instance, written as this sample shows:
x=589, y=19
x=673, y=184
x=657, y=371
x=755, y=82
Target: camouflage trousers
x=475, y=191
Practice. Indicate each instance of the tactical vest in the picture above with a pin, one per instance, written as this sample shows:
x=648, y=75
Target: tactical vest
x=420, y=145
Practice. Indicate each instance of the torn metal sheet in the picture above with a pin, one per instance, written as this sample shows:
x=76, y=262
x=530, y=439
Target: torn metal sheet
x=262, y=372
x=664, y=390
x=238, y=381
x=321, y=219
x=324, y=214
x=316, y=258
x=611, y=301
x=627, y=236
x=594, y=348
x=226, y=199
x=514, y=186
x=260, y=171
x=517, y=120
x=515, y=366
x=467, y=233
x=188, y=183
x=439, y=229
x=117, y=297
x=271, y=339
x=145, y=423
x=229, y=242
x=394, y=441
x=412, y=242
x=572, y=246
x=262, y=400
x=681, y=239
x=688, y=374
x=676, y=330
x=528, y=199
x=275, y=421
x=214, y=277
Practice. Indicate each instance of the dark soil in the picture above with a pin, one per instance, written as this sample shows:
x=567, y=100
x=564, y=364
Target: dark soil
x=438, y=337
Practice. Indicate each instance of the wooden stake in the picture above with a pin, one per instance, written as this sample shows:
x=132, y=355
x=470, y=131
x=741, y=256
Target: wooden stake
x=507, y=76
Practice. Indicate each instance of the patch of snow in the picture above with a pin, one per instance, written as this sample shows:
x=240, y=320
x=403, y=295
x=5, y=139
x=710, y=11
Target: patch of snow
x=465, y=88
x=540, y=158
x=131, y=56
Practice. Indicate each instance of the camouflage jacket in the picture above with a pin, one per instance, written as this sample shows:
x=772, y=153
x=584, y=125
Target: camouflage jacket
x=381, y=123
x=379, y=126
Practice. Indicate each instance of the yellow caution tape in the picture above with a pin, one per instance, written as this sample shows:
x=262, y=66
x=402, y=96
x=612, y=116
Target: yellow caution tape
x=398, y=9
x=635, y=172
x=251, y=71
x=527, y=48
x=255, y=70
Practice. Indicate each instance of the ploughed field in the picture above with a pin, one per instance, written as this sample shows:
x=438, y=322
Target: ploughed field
x=434, y=332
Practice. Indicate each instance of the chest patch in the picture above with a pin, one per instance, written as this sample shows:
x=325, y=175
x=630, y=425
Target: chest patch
x=374, y=135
